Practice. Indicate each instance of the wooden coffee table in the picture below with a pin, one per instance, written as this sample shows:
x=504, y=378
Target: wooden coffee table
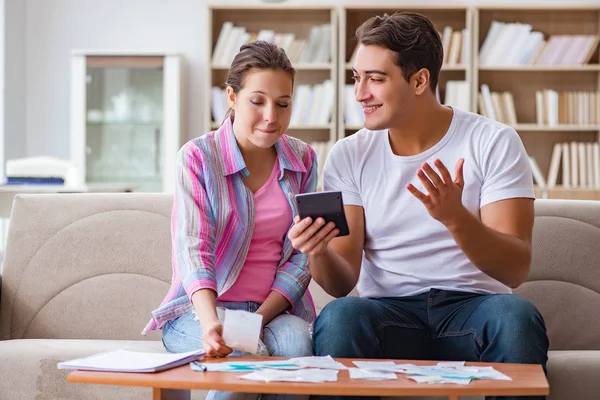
x=527, y=380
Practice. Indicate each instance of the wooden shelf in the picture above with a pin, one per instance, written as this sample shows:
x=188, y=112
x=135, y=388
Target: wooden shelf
x=558, y=128
x=298, y=67
x=297, y=20
x=444, y=67
x=542, y=68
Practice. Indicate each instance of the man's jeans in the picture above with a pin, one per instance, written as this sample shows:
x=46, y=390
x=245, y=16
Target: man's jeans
x=435, y=325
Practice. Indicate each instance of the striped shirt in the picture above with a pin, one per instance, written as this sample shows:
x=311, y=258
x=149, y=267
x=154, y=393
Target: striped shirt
x=212, y=222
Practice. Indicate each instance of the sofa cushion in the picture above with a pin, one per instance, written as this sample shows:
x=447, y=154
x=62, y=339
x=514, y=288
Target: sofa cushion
x=574, y=375
x=28, y=369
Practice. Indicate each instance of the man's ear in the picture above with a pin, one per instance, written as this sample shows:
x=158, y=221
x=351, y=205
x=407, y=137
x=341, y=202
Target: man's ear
x=421, y=80
x=231, y=98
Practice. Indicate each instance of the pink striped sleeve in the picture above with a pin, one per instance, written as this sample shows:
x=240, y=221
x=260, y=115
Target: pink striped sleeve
x=192, y=225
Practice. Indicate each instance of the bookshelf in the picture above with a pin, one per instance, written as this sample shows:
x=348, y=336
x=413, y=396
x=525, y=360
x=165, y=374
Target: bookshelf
x=309, y=35
x=555, y=89
x=454, y=18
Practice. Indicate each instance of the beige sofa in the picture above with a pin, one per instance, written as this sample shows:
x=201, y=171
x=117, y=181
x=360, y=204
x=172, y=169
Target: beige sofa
x=83, y=271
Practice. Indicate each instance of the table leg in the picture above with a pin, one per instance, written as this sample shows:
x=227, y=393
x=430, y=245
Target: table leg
x=170, y=394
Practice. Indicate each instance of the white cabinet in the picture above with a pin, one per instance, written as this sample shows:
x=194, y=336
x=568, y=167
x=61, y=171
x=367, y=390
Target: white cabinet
x=126, y=119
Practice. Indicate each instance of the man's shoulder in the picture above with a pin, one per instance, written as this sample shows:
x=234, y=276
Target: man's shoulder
x=359, y=141
x=476, y=125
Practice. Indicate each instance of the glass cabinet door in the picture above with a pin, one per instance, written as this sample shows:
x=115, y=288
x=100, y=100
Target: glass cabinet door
x=126, y=120
x=124, y=126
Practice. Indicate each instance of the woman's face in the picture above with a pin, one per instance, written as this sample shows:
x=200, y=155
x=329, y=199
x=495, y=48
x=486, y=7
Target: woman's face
x=262, y=108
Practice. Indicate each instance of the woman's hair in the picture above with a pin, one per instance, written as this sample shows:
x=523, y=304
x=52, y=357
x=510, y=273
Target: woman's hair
x=412, y=37
x=258, y=55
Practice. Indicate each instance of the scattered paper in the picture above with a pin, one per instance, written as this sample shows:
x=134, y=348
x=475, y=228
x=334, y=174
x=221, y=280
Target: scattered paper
x=237, y=366
x=326, y=362
x=437, y=379
x=241, y=330
x=376, y=365
x=372, y=374
x=313, y=375
x=451, y=364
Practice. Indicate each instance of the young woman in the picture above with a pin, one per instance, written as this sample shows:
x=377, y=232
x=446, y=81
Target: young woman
x=233, y=207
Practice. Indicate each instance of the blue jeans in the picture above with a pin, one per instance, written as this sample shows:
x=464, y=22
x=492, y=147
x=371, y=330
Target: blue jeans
x=286, y=335
x=435, y=325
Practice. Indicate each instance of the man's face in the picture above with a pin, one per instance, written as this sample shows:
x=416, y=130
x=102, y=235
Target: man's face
x=387, y=98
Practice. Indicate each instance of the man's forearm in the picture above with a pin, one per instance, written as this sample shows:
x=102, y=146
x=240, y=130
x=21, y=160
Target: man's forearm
x=333, y=273
x=504, y=257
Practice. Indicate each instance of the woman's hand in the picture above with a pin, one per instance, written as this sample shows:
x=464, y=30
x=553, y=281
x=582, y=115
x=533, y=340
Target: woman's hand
x=212, y=340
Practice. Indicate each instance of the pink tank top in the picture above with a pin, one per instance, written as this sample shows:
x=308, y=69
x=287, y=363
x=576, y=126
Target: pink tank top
x=273, y=218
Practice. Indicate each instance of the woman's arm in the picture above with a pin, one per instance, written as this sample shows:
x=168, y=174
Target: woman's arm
x=192, y=231
x=293, y=277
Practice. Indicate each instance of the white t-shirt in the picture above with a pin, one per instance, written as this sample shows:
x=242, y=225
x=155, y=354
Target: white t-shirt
x=407, y=251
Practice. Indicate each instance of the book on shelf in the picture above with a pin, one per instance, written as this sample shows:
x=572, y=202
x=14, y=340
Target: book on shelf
x=314, y=49
x=515, y=43
x=458, y=95
x=567, y=107
x=497, y=105
x=353, y=110
x=580, y=163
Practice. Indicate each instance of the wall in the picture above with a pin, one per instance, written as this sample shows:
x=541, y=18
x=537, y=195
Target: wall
x=14, y=80
x=50, y=29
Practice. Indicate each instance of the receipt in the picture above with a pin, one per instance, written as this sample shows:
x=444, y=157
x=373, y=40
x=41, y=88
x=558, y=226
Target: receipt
x=241, y=330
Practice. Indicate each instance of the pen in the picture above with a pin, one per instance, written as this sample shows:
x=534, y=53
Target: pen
x=202, y=367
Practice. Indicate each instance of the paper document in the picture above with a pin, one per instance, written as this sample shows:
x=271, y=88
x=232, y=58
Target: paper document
x=326, y=362
x=241, y=330
x=376, y=365
x=131, y=361
x=372, y=374
x=313, y=375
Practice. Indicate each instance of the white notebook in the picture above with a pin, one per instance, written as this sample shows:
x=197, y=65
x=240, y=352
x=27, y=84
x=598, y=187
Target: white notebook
x=131, y=361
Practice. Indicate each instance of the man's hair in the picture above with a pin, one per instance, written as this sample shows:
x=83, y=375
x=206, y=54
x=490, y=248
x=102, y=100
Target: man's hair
x=411, y=36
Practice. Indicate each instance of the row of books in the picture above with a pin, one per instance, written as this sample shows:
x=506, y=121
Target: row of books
x=314, y=49
x=567, y=107
x=313, y=104
x=579, y=163
x=353, y=110
x=322, y=150
x=518, y=44
x=456, y=45
x=497, y=105
x=458, y=95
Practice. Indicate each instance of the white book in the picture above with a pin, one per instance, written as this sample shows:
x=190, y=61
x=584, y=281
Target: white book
x=487, y=100
x=537, y=173
x=222, y=40
x=554, y=165
x=574, y=164
x=582, y=164
x=589, y=158
x=131, y=361
x=490, y=41
x=566, y=166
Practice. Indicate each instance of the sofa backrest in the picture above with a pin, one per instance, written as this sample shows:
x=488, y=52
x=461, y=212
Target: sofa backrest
x=564, y=282
x=93, y=266
x=85, y=266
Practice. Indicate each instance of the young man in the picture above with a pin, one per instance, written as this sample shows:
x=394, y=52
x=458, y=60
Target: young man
x=433, y=255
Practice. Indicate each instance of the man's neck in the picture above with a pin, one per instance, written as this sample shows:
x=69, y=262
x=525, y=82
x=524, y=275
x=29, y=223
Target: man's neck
x=427, y=127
